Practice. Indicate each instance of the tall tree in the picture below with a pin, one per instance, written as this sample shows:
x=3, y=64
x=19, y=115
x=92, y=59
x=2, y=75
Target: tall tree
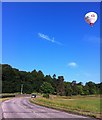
x=91, y=87
x=60, y=85
x=68, y=89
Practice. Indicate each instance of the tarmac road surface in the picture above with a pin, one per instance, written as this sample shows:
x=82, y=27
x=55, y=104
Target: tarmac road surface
x=20, y=107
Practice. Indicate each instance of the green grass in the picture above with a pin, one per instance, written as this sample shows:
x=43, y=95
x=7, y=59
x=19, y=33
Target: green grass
x=84, y=105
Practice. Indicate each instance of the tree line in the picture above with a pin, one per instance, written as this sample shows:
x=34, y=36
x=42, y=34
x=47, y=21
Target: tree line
x=36, y=81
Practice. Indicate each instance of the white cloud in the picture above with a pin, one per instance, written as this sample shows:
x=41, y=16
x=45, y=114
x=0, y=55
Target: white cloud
x=46, y=37
x=92, y=39
x=72, y=64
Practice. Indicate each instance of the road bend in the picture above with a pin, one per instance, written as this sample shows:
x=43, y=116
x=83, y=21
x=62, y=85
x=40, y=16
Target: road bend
x=20, y=107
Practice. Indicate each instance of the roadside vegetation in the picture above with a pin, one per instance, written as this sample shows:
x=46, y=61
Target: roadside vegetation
x=72, y=96
x=35, y=81
x=6, y=96
x=4, y=99
x=84, y=105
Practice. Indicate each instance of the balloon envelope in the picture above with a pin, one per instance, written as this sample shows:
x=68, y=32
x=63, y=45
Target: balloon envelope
x=91, y=18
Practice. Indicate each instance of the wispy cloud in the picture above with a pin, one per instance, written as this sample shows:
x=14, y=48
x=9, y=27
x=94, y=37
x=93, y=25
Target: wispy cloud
x=72, y=64
x=46, y=37
x=92, y=39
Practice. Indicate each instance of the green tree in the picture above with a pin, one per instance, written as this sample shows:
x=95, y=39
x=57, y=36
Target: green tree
x=80, y=89
x=38, y=78
x=74, y=88
x=48, y=79
x=60, y=85
x=54, y=76
x=54, y=83
x=68, y=89
x=46, y=88
x=10, y=79
x=91, y=87
x=86, y=90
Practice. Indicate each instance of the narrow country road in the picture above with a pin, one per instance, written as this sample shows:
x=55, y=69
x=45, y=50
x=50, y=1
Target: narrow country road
x=21, y=108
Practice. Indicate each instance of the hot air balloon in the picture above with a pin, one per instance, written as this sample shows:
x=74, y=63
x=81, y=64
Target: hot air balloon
x=91, y=18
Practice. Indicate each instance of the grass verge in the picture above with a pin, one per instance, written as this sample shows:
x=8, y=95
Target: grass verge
x=83, y=105
x=4, y=99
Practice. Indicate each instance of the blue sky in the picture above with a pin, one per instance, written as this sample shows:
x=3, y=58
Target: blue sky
x=52, y=37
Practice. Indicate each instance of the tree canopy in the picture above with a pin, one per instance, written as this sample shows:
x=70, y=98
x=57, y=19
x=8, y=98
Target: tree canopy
x=36, y=81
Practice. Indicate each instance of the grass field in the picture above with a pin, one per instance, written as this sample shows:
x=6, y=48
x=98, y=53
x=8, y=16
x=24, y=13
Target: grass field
x=84, y=105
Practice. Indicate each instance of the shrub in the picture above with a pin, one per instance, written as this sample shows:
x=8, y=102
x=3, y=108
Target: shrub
x=7, y=95
x=46, y=95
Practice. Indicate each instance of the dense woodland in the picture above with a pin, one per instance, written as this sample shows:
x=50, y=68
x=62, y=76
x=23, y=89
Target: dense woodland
x=36, y=81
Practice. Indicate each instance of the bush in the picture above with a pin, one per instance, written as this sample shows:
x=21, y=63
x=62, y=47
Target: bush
x=46, y=88
x=46, y=95
x=7, y=95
